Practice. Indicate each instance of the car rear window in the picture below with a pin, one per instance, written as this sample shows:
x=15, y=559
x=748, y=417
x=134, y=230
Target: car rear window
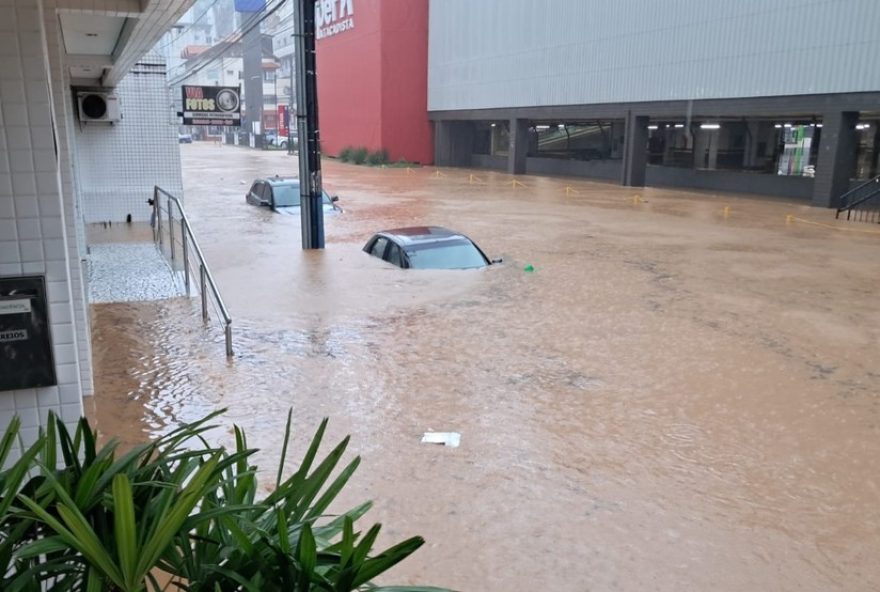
x=288, y=195
x=446, y=256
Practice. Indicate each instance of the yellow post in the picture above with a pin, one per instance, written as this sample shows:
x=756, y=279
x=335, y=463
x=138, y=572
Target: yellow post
x=516, y=184
x=726, y=211
x=789, y=218
x=569, y=190
x=637, y=199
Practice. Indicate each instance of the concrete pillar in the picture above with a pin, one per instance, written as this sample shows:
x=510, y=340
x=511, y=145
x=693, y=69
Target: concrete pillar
x=454, y=141
x=635, y=151
x=519, y=146
x=837, y=157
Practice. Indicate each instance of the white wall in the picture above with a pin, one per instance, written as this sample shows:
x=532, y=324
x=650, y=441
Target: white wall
x=515, y=53
x=119, y=164
x=34, y=237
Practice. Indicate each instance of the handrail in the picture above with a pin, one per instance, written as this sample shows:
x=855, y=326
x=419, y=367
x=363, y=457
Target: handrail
x=205, y=277
x=845, y=207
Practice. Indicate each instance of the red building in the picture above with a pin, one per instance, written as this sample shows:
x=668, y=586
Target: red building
x=373, y=77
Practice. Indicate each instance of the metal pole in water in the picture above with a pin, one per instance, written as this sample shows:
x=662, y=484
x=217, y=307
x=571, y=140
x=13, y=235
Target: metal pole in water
x=203, y=287
x=312, y=212
x=170, y=229
x=185, y=255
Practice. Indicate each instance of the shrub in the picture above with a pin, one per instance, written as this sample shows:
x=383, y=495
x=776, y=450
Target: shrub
x=107, y=523
x=345, y=154
x=359, y=155
x=378, y=157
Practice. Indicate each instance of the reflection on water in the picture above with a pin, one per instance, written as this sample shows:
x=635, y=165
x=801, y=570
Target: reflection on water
x=673, y=400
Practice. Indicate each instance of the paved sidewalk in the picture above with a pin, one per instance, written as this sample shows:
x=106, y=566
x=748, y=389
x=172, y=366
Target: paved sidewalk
x=129, y=272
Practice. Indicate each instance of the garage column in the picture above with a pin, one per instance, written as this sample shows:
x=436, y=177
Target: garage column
x=635, y=150
x=837, y=156
x=454, y=143
x=519, y=146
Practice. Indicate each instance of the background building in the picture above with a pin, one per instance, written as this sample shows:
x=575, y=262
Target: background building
x=778, y=98
x=372, y=77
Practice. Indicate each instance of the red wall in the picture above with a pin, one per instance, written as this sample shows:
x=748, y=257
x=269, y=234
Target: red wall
x=373, y=81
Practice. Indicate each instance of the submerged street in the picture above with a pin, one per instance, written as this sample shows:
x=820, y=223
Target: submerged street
x=679, y=396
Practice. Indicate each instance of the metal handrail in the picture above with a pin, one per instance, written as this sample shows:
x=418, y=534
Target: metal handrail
x=846, y=207
x=205, y=277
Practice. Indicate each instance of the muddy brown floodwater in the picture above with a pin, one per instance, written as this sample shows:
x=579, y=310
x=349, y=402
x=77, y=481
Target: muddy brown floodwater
x=676, y=399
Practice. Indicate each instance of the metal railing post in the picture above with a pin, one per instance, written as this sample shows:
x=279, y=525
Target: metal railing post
x=171, y=229
x=204, y=290
x=228, y=339
x=183, y=229
x=158, y=215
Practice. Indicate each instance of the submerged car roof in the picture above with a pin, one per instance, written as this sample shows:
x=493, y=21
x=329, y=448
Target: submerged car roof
x=281, y=180
x=414, y=235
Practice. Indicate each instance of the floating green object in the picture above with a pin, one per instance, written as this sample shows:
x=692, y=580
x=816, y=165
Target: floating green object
x=529, y=268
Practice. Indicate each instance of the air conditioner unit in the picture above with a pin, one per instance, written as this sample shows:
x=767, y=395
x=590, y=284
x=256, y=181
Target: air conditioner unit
x=98, y=107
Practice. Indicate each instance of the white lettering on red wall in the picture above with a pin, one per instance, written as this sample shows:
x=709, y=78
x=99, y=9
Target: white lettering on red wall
x=333, y=17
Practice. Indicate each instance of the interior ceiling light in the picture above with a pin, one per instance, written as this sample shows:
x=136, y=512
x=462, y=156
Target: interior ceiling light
x=786, y=125
x=679, y=125
x=778, y=126
x=652, y=127
x=710, y=126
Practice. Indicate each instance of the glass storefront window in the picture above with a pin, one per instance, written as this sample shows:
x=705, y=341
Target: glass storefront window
x=597, y=140
x=867, y=149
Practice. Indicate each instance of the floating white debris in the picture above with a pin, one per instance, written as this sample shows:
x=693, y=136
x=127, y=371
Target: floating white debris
x=451, y=439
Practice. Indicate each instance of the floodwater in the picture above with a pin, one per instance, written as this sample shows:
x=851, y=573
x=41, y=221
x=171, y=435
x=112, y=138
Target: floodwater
x=679, y=397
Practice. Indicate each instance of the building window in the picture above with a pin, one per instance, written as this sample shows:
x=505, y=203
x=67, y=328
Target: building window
x=269, y=75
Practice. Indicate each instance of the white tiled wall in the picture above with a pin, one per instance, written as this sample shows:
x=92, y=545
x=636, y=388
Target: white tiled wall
x=76, y=235
x=33, y=221
x=119, y=164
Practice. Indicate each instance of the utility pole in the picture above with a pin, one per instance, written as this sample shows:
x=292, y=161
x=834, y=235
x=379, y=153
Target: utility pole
x=310, y=189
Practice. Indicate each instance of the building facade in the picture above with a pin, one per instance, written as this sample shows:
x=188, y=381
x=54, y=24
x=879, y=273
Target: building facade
x=372, y=77
x=52, y=162
x=779, y=98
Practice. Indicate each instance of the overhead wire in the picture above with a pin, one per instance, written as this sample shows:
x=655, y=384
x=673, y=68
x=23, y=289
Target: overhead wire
x=236, y=35
x=187, y=28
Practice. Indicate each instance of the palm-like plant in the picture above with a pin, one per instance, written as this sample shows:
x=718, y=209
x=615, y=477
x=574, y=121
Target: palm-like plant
x=89, y=521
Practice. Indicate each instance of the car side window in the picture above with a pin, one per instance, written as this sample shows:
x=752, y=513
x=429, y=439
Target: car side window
x=394, y=255
x=255, y=190
x=267, y=193
x=379, y=246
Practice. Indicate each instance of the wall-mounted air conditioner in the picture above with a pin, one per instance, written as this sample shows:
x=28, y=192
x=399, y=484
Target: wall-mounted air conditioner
x=97, y=107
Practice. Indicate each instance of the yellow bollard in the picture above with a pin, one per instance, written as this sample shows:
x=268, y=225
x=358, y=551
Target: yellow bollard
x=726, y=211
x=473, y=179
x=569, y=190
x=516, y=184
x=637, y=199
x=789, y=218
x=438, y=174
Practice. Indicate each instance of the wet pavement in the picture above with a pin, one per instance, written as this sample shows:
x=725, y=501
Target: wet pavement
x=679, y=397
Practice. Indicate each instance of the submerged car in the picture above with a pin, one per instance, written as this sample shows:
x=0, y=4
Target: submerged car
x=427, y=247
x=184, y=139
x=282, y=195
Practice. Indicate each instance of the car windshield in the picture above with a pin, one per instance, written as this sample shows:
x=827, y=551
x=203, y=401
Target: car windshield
x=288, y=196
x=446, y=256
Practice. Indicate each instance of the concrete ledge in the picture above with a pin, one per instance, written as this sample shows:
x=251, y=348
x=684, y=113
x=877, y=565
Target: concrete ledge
x=486, y=161
x=731, y=181
x=597, y=169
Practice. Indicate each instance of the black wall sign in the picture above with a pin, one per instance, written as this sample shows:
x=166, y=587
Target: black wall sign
x=25, y=342
x=211, y=105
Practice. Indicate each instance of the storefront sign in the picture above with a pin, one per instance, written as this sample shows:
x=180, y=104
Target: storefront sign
x=333, y=17
x=211, y=105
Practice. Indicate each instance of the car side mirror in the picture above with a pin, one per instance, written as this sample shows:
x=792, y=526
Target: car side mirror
x=496, y=261
x=334, y=199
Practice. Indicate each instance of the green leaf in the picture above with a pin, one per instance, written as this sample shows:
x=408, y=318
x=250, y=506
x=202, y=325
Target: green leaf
x=125, y=529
